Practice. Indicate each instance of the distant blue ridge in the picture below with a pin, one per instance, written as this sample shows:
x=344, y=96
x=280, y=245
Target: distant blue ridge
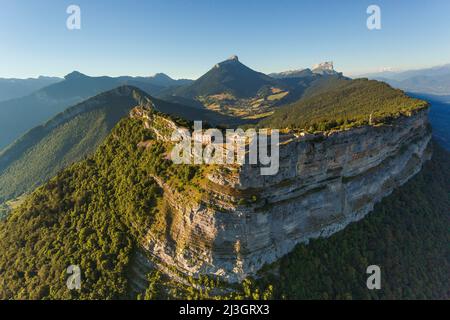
x=439, y=117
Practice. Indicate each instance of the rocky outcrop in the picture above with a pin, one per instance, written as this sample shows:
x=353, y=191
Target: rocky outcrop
x=326, y=181
x=324, y=68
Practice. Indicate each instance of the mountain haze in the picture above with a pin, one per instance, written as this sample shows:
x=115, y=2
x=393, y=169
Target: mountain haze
x=76, y=133
x=431, y=84
x=435, y=80
x=292, y=74
x=15, y=88
x=21, y=114
x=163, y=80
x=66, y=138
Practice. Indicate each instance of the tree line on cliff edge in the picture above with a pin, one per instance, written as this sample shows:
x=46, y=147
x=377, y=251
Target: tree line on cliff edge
x=342, y=104
x=90, y=212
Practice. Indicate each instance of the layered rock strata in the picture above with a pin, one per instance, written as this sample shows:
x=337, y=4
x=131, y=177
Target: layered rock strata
x=325, y=181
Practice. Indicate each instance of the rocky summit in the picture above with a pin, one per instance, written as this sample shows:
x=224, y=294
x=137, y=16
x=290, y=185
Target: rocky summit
x=325, y=182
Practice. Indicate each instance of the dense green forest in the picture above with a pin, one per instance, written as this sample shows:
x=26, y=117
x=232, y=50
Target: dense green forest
x=70, y=136
x=72, y=219
x=343, y=103
x=74, y=134
x=93, y=214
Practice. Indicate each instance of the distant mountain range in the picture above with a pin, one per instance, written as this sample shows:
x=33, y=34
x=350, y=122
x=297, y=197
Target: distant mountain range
x=230, y=88
x=300, y=73
x=439, y=116
x=60, y=136
x=66, y=138
x=21, y=114
x=75, y=133
x=163, y=80
x=324, y=68
x=435, y=80
x=15, y=88
x=431, y=84
x=233, y=77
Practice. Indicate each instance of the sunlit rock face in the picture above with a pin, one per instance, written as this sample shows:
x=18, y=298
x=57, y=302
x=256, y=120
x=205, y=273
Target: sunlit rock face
x=245, y=220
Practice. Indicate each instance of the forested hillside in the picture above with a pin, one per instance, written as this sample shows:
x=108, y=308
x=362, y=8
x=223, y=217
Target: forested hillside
x=342, y=104
x=74, y=134
x=93, y=214
x=70, y=136
x=19, y=115
x=83, y=217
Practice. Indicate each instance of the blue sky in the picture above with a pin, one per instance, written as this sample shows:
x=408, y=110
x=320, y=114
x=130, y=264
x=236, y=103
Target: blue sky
x=186, y=38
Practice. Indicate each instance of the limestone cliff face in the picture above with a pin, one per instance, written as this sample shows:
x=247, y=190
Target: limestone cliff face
x=325, y=182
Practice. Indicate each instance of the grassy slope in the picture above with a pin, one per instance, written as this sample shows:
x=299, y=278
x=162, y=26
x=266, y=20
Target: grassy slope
x=343, y=103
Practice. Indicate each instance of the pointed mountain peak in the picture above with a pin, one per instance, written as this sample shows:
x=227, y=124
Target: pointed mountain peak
x=231, y=60
x=229, y=76
x=129, y=90
x=327, y=65
x=324, y=68
x=161, y=76
x=164, y=80
x=75, y=75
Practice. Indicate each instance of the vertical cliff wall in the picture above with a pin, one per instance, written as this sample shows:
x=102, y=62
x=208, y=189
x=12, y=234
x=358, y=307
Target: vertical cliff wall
x=245, y=220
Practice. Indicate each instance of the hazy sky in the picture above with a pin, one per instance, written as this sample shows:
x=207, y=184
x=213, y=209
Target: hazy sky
x=186, y=38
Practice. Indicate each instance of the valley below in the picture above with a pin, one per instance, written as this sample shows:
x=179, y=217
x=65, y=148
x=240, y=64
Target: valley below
x=439, y=117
